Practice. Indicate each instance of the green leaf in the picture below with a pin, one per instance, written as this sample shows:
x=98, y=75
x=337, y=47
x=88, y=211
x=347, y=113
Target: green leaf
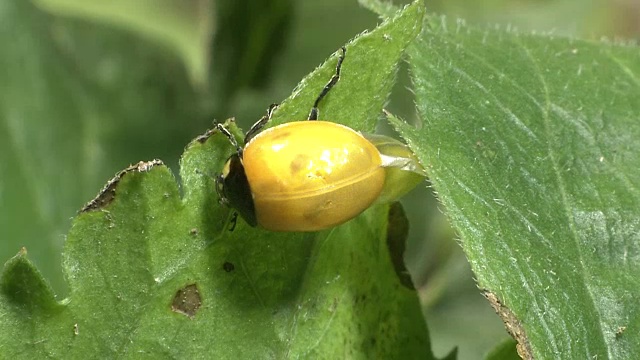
x=248, y=40
x=154, y=272
x=79, y=102
x=170, y=22
x=382, y=8
x=532, y=145
x=20, y=281
x=506, y=350
x=366, y=90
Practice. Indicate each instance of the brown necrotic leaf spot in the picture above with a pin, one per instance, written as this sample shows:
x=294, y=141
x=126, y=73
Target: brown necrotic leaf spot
x=187, y=301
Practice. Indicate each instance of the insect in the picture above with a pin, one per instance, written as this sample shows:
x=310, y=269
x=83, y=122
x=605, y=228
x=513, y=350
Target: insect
x=302, y=175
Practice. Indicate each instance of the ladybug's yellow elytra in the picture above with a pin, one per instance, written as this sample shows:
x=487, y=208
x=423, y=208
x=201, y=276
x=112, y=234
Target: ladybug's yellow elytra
x=311, y=175
x=303, y=175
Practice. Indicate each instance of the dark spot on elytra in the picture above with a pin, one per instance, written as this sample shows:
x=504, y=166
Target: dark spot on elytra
x=298, y=163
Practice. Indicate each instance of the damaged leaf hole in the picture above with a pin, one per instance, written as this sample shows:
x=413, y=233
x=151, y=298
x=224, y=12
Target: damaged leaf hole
x=108, y=192
x=397, y=234
x=204, y=137
x=512, y=324
x=187, y=301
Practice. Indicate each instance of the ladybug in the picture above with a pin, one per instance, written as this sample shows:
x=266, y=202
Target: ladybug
x=302, y=175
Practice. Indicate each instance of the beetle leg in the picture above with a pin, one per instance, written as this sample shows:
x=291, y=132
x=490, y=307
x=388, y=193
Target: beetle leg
x=313, y=115
x=231, y=138
x=257, y=127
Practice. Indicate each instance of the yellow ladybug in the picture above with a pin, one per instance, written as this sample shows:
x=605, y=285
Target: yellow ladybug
x=301, y=176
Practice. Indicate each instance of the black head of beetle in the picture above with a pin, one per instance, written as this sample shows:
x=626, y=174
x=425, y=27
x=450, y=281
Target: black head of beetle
x=233, y=189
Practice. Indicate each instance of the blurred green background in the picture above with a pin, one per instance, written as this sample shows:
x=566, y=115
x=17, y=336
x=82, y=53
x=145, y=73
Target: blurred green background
x=88, y=87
